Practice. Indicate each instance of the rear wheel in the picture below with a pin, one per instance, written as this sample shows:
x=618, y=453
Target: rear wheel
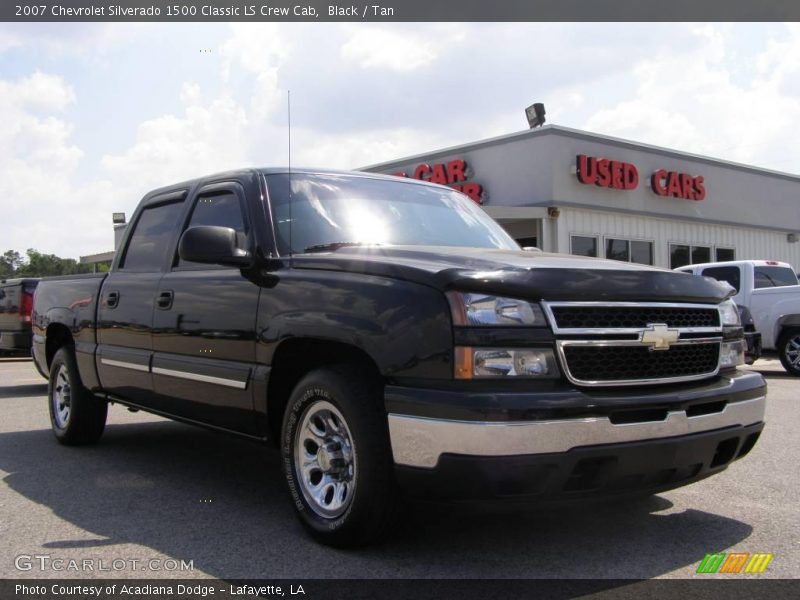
x=337, y=458
x=789, y=351
x=76, y=416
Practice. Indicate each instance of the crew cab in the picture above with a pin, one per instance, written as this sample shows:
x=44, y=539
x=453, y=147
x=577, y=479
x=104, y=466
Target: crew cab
x=389, y=337
x=769, y=291
x=16, y=304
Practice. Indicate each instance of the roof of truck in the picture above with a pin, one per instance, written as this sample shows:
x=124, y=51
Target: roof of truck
x=284, y=171
x=729, y=263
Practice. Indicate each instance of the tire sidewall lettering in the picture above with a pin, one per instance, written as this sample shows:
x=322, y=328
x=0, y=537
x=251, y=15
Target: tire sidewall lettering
x=311, y=394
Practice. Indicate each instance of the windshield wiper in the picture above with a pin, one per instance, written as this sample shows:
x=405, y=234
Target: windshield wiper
x=335, y=246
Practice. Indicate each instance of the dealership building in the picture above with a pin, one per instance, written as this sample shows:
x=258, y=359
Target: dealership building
x=572, y=191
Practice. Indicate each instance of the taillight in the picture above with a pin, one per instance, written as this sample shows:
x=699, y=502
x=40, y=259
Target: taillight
x=26, y=306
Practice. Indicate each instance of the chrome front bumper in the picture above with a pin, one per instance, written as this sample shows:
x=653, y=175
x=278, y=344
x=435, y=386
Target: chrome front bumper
x=421, y=441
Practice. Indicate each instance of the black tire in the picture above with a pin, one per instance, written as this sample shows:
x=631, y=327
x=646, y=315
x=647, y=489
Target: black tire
x=359, y=466
x=84, y=419
x=788, y=346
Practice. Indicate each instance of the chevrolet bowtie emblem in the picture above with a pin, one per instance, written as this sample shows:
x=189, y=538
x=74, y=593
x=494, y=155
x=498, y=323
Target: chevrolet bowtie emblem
x=658, y=336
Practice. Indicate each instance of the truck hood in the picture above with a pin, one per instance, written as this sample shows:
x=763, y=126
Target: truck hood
x=530, y=275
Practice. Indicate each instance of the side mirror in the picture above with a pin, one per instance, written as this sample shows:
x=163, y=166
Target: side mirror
x=214, y=245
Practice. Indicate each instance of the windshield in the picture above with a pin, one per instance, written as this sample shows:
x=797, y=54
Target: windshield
x=340, y=210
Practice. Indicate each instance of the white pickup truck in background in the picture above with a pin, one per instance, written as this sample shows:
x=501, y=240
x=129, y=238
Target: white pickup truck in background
x=769, y=290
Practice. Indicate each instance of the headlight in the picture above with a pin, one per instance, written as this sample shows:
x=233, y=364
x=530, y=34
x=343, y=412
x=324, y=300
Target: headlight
x=731, y=354
x=729, y=314
x=501, y=363
x=480, y=310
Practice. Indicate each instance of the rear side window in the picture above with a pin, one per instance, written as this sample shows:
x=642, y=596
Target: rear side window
x=222, y=209
x=774, y=277
x=729, y=274
x=151, y=236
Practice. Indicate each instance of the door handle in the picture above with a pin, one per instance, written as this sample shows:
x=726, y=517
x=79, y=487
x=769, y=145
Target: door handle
x=164, y=299
x=112, y=299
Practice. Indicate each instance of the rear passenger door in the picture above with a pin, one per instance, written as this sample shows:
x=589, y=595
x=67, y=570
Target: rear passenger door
x=204, y=324
x=125, y=308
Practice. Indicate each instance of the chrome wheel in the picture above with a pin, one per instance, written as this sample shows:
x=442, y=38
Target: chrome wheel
x=792, y=351
x=325, y=460
x=62, y=398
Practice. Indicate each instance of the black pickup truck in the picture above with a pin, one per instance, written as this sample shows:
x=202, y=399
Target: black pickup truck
x=388, y=337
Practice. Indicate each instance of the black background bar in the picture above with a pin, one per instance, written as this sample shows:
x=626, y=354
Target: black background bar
x=731, y=587
x=402, y=10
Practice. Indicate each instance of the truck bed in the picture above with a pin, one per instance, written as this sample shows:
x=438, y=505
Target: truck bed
x=70, y=302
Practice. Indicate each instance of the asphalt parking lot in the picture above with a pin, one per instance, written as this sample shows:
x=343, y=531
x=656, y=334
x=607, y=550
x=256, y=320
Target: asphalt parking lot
x=154, y=490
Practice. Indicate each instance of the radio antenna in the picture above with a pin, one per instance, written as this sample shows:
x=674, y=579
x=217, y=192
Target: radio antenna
x=289, y=148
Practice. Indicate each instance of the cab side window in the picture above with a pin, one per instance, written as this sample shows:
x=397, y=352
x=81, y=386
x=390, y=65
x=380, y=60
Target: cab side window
x=729, y=274
x=151, y=236
x=223, y=209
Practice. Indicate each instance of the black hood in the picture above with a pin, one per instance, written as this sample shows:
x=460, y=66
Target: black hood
x=530, y=275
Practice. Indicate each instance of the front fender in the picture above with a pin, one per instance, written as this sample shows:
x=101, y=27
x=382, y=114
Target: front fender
x=403, y=327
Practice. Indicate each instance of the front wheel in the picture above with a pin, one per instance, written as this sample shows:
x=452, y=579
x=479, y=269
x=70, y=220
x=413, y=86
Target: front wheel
x=76, y=416
x=789, y=351
x=337, y=458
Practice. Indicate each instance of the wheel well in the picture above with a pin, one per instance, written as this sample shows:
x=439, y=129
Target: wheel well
x=57, y=336
x=785, y=324
x=296, y=357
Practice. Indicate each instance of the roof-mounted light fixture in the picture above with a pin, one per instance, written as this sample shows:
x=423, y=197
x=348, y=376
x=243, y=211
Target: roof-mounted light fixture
x=535, y=115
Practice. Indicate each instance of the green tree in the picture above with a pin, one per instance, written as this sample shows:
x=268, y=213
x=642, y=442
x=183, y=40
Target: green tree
x=38, y=264
x=10, y=262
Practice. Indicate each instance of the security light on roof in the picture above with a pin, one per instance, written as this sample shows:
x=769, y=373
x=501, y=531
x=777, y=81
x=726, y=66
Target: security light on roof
x=535, y=115
x=118, y=218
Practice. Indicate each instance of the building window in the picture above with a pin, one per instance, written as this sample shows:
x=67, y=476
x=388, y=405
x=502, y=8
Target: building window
x=724, y=254
x=681, y=255
x=618, y=249
x=583, y=245
x=701, y=254
x=637, y=251
x=642, y=252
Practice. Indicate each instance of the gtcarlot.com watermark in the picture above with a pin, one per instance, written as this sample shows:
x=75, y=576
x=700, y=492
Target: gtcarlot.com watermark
x=48, y=562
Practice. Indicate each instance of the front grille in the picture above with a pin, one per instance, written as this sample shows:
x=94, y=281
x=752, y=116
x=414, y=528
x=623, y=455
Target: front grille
x=631, y=363
x=628, y=317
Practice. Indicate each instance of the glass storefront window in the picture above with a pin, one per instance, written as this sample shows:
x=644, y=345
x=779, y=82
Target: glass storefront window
x=723, y=254
x=583, y=245
x=679, y=255
x=618, y=249
x=701, y=254
x=642, y=252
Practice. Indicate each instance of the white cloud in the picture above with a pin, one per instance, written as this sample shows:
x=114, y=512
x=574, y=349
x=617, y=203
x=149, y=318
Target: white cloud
x=350, y=151
x=206, y=138
x=259, y=49
x=691, y=100
x=38, y=163
x=84, y=40
x=390, y=48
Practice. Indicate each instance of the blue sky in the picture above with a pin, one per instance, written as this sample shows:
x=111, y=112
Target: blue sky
x=97, y=114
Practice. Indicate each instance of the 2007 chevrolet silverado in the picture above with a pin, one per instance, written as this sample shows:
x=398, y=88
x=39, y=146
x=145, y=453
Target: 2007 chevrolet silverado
x=388, y=335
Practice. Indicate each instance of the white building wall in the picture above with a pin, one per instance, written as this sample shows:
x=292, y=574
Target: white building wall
x=750, y=243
